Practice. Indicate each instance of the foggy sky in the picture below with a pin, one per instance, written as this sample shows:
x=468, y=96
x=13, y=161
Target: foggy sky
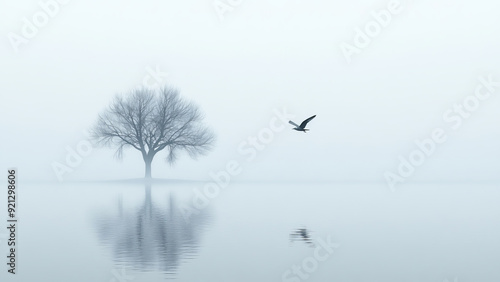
x=264, y=56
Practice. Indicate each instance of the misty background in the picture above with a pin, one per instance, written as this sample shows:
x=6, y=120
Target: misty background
x=264, y=55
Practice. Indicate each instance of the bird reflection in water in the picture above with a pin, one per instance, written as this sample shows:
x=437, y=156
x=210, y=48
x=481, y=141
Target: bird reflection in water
x=152, y=237
x=303, y=235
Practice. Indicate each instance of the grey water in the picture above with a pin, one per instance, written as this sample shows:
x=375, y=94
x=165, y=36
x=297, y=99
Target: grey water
x=258, y=232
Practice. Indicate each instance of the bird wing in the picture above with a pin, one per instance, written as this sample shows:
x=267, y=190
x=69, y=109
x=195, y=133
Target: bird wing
x=304, y=123
x=293, y=123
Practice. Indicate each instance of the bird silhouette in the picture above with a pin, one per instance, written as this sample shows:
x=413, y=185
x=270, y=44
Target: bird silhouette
x=302, y=126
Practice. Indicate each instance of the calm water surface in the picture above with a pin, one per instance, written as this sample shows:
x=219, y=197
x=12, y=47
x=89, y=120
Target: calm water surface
x=258, y=232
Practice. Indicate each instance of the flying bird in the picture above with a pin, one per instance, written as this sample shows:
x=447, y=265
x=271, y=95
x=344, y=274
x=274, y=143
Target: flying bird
x=302, y=126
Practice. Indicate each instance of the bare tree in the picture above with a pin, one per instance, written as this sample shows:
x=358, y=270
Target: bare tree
x=151, y=121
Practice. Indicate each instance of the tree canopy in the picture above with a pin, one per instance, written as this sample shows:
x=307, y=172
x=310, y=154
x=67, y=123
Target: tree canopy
x=151, y=121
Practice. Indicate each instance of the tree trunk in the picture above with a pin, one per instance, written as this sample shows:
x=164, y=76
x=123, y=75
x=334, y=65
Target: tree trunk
x=148, y=160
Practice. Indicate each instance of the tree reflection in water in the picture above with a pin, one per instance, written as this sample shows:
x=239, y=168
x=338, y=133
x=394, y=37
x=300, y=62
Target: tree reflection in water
x=153, y=237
